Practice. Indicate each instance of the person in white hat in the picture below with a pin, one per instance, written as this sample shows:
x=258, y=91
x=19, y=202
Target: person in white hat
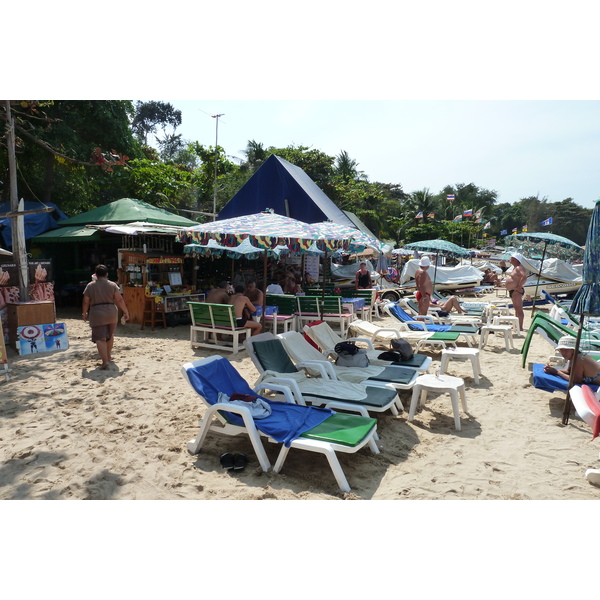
x=587, y=370
x=514, y=284
x=424, y=285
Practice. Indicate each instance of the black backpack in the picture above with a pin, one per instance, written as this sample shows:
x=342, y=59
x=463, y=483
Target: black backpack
x=403, y=348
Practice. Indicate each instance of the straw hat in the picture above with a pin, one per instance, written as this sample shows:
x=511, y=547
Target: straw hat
x=425, y=261
x=566, y=342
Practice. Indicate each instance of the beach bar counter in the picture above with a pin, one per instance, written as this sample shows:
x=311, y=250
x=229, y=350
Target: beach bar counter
x=147, y=278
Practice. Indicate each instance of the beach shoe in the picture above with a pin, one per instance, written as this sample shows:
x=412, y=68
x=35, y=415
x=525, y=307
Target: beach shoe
x=227, y=461
x=593, y=476
x=239, y=462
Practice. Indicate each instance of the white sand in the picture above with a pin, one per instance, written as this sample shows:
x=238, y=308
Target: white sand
x=72, y=431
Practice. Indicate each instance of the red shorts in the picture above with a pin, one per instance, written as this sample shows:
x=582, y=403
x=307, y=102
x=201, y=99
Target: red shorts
x=418, y=296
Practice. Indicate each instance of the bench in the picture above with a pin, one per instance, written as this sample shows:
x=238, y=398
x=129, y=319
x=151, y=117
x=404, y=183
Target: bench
x=216, y=320
x=286, y=313
x=330, y=309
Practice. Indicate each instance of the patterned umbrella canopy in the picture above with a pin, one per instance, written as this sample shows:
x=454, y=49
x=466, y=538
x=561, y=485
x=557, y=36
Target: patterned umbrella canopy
x=587, y=299
x=268, y=230
x=358, y=239
x=440, y=247
x=548, y=244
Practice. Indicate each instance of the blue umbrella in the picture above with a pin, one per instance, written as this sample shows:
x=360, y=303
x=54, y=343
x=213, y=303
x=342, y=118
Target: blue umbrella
x=587, y=298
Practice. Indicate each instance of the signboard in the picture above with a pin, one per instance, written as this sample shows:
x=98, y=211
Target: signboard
x=40, y=271
x=311, y=266
x=32, y=339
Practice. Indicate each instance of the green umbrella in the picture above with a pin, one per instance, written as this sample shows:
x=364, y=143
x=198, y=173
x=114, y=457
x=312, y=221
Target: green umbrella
x=439, y=247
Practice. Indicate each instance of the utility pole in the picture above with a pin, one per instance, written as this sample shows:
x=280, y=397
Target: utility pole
x=216, y=158
x=17, y=217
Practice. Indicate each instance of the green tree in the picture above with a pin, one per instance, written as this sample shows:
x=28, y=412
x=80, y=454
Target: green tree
x=153, y=115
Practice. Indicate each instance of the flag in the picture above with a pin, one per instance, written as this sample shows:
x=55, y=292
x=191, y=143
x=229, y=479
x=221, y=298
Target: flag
x=450, y=197
x=468, y=213
x=525, y=228
x=487, y=225
x=431, y=216
x=419, y=215
x=503, y=232
x=458, y=218
x=478, y=214
x=547, y=222
x=515, y=230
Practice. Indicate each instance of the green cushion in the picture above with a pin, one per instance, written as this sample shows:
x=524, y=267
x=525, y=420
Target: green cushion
x=340, y=428
x=445, y=336
x=464, y=329
x=394, y=375
x=273, y=357
x=377, y=397
x=416, y=360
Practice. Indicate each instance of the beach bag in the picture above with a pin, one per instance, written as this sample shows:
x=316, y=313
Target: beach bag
x=358, y=359
x=403, y=348
x=350, y=355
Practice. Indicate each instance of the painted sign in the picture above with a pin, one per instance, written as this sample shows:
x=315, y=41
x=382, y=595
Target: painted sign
x=33, y=339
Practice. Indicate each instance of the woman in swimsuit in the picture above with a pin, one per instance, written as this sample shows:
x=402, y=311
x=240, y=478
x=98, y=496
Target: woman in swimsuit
x=587, y=370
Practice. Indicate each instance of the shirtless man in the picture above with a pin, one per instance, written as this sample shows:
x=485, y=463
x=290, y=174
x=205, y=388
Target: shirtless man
x=424, y=285
x=219, y=295
x=240, y=302
x=254, y=294
x=514, y=284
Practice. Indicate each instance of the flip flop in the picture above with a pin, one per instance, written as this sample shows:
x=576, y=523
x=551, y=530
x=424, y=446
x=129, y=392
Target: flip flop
x=239, y=462
x=227, y=461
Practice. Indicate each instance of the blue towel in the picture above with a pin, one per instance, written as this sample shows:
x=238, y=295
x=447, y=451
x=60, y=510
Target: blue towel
x=550, y=383
x=403, y=316
x=286, y=422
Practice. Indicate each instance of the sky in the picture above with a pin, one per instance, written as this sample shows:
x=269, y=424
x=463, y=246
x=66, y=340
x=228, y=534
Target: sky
x=547, y=148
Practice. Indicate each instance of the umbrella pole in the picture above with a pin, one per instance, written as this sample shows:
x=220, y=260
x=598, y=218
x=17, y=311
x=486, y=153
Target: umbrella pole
x=538, y=279
x=323, y=287
x=568, y=402
x=264, y=290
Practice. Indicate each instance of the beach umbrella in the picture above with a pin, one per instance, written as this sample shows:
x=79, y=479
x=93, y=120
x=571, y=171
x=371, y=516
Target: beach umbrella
x=587, y=299
x=439, y=247
x=546, y=244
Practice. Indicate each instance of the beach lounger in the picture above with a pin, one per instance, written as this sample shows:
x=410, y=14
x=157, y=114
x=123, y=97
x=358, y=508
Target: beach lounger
x=294, y=426
x=550, y=383
x=384, y=335
x=327, y=339
x=274, y=365
x=393, y=309
x=412, y=309
x=301, y=352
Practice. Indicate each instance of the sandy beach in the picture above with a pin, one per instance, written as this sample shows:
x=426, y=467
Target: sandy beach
x=73, y=431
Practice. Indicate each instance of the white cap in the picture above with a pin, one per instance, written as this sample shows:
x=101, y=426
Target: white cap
x=424, y=261
x=518, y=256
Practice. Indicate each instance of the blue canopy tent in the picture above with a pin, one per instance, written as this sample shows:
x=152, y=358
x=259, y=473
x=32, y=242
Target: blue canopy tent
x=35, y=223
x=288, y=191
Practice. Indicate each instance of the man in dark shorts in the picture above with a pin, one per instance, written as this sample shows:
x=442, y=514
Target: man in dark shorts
x=240, y=302
x=100, y=300
x=514, y=284
x=424, y=285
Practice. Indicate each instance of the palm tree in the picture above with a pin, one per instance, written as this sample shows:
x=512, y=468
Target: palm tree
x=346, y=167
x=255, y=155
x=421, y=201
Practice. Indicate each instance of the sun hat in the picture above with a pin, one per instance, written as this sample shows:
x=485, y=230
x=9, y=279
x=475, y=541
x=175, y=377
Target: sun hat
x=566, y=342
x=518, y=256
x=424, y=261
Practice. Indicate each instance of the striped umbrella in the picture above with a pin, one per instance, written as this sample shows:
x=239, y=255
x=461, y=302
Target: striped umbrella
x=587, y=299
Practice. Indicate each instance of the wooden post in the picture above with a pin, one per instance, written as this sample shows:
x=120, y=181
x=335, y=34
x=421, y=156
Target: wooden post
x=18, y=234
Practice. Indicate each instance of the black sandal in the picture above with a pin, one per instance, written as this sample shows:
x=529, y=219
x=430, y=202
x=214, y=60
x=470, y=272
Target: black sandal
x=227, y=461
x=239, y=462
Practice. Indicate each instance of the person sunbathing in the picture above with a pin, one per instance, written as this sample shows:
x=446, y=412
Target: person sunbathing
x=587, y=370
x=448, y=305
